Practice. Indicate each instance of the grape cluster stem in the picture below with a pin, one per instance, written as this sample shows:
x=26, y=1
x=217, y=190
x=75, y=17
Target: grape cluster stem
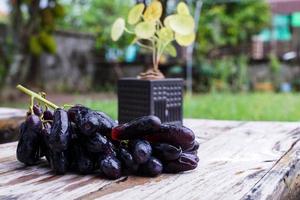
x=36, y=96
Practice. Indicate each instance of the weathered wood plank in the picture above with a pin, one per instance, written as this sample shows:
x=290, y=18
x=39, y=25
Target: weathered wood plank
x=282, y=181
x=10, y=119
x=230, y=164
x=235, y=158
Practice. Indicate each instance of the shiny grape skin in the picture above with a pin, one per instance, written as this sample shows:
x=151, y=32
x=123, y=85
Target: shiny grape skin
x=193, y=149
x=60, y=133
x=153, y=167
x=107, y=124
x=44, y=144
x=96, y=121
x=111, y=167
x=28, y=145
x=166, y=152
x=185, y=162
x=59, y=162
x=90, y=121
x=37, y=110
x=45, y=132
x=34, y=123
x=136, y=128
x=89, y=124
x=141, y=150
x=76, y=112
x=172, y=134
x=48, y=115
x=96, y=143
x=127, y=160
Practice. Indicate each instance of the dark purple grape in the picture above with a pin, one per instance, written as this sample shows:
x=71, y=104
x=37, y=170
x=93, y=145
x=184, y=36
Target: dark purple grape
x=60, y=133
x=193, y=149
x=153, y=167
x=44, y=140
x=110, y=149
x=34, y=123
x=85, y=165
x=82, y=161
x=141, y=150
x=166, y=152
x=76, y=112
x=89, y=124
x=59, y=162
x=28, y=145
x=37, y=110
x=90, y=121
x=96, y=121
x=48, y=115
x=45, y=133
x=184, y=163
x=137, y=128
x=172, y=134
x=111, y=167
x=128, y=161
x=97, y=143
x=107, y=123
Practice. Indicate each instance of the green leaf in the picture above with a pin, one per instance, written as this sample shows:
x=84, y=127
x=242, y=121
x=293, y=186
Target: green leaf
x=167, y=21
x=185, y=40
x=47, y=42
x=165, y=35
x=117, y=29
x=183, y=9
x=134, y=40
x=145, y=30
x=153, y=11
x=135, y=13
x=170, y=50
x=182, y=24
x=34, y=46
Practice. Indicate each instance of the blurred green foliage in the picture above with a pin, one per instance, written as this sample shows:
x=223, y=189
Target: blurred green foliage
x=225, y=74
x=222, y=45
x=230, y=24
x=97, y=17
x=42, y=22
x=221, y=24
x=275, y=70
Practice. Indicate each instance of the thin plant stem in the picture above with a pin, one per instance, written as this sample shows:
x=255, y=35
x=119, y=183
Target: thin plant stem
x=31, y=104
x=144, y=46
x=128, y=31
x=36, y=96
x=154, y=55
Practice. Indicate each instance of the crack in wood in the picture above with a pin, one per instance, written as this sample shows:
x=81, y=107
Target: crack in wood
x=255, y=193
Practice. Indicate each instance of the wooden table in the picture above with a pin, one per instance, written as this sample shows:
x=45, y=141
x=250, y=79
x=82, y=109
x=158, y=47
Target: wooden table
x=10, y=120
x=238, y=160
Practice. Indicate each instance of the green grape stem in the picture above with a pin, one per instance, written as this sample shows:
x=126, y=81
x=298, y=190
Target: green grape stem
x=36, y=96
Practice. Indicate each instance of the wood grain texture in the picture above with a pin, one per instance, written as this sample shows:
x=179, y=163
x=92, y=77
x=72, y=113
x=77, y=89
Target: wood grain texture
x=238, y=160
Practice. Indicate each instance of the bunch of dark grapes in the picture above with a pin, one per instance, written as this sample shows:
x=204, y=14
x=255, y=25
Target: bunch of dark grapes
x=85, y=141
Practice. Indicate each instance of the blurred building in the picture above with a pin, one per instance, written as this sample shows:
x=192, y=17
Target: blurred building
x=283, y=36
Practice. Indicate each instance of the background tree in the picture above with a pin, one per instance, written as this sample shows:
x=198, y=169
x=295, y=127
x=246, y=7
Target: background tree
x=30, y=33
x=230, y=24
x=96, y=17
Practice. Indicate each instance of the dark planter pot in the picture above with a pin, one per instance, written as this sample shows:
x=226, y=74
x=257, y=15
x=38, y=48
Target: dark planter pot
x=162, y=98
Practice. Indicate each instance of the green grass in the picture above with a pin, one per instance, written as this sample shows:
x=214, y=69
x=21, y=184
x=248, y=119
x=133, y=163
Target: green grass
x=250, y=106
